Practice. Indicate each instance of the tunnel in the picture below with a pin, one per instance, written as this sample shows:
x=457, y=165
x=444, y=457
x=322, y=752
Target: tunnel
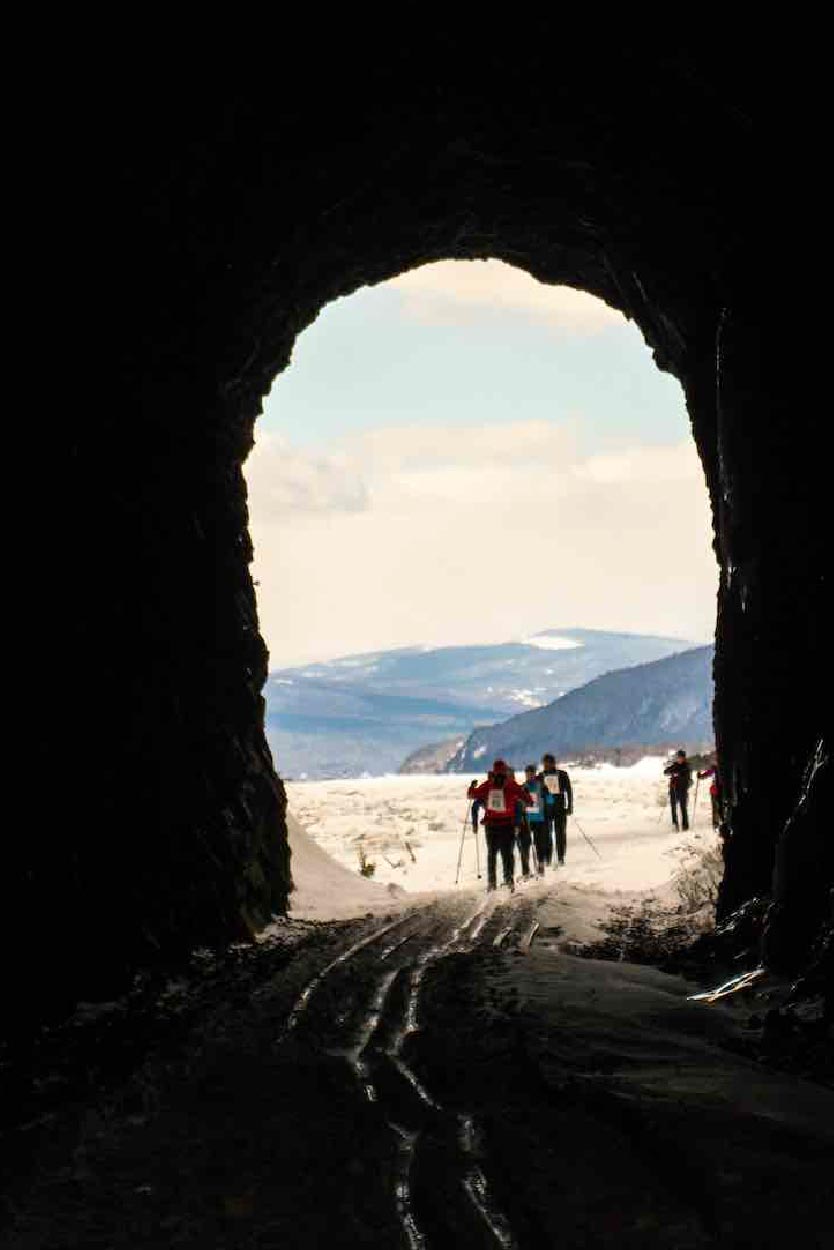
x=232, y=209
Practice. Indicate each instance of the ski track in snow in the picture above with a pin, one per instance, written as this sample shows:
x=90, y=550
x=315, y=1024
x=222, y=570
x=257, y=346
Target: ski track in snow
x=364, y=1005
x=377, y=1036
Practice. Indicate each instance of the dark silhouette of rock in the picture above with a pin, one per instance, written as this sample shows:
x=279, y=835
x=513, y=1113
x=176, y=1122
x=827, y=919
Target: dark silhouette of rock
x=226, y=212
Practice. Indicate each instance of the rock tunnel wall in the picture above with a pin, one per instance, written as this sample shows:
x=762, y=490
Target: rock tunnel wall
x=230, y=218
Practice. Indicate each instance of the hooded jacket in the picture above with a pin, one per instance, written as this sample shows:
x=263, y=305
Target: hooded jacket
x=511, y=793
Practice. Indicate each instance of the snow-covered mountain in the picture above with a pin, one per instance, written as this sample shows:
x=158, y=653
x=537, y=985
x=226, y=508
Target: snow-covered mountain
x=666, y=703
x=366, y=713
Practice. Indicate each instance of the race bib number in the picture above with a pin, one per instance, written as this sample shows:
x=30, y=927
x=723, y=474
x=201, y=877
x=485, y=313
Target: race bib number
x=551, y=780
x=496, y=801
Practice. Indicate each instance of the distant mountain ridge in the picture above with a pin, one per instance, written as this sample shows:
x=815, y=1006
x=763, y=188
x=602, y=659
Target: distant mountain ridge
x=665, y=703
x=507, y=677
x=365, y=713
x=432, y=758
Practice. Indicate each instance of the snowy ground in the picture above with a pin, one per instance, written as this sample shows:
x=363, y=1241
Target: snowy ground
x=325, y=889
x=413, y=1078
x=410, y=829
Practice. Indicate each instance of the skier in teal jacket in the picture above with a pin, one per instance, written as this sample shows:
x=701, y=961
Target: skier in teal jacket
x=535, y=817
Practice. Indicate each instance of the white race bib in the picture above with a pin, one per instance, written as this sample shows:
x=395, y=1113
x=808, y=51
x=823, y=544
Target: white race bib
x=496, y=801
x=551, y=780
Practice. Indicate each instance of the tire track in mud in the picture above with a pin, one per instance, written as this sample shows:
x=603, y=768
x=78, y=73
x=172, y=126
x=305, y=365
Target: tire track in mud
x=374, y=987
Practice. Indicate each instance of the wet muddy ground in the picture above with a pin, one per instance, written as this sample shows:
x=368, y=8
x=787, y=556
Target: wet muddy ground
x=442, y=1077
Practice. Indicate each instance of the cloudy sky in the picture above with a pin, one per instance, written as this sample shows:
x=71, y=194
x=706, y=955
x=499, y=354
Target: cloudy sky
x=465, y=455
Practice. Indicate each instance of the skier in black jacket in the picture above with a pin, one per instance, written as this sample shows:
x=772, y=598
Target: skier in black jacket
x=558, y=800
x=680, y=779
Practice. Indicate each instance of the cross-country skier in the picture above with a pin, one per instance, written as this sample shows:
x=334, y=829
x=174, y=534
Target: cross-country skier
x=535, y=817
x=712, y=773
x=499, y=795
x=558, y=805
x=475, y=810
x=680, y=779
x=523, y=835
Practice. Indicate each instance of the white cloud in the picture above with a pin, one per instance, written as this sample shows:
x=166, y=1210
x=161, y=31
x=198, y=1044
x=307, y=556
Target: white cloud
x=419, y=535
x=459, y=291
x=417, y=448
x=643, y=464
x=285, y=482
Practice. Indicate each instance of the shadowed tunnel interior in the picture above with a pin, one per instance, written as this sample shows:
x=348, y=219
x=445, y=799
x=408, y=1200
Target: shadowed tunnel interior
x=231, y=219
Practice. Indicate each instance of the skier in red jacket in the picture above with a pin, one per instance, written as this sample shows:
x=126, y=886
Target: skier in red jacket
x=711, y=772
x=499, y=794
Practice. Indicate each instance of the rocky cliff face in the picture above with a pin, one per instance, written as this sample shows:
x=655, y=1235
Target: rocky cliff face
x=227, y=217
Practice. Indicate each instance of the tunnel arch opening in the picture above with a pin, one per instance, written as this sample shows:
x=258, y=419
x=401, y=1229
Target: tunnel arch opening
x=246, y=216
x=589, y=440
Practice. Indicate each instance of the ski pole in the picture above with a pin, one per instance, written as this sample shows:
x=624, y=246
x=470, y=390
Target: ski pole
x=587, y=839
x=462, y=838
x=477, y=852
